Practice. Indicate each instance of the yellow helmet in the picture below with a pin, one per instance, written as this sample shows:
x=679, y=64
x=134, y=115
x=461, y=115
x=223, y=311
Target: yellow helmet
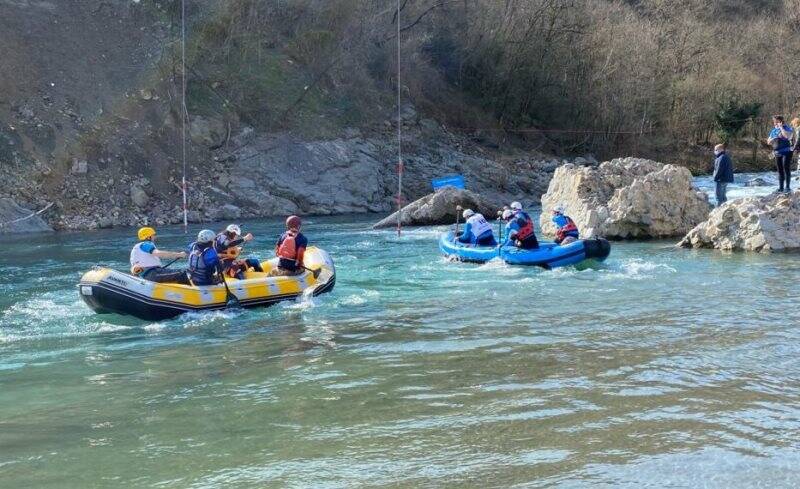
x=145, y=233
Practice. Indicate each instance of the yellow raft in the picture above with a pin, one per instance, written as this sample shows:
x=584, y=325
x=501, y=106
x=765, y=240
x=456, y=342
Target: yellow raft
x=109, y=291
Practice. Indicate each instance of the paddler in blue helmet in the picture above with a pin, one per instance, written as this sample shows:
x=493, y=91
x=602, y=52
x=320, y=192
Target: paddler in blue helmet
x=566, y=230
x=477, y=231
x=519, y=229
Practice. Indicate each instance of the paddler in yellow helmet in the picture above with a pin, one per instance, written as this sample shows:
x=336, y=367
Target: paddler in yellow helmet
x=146, y=260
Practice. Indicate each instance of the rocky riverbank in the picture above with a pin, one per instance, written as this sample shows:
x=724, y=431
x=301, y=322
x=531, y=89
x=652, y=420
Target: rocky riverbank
x=266, y=174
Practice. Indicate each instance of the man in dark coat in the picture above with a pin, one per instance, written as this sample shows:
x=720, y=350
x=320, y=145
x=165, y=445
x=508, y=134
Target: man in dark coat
x=723, y=172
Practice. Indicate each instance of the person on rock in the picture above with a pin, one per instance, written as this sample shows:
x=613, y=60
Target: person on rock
x=566, y=230
x=723, y=173
x=146, y=260
x=519, y=230
x=226, y=244
x=289, y=249
x=477, y=231
x=780, y=138
x=796, y=139
x=205, y=267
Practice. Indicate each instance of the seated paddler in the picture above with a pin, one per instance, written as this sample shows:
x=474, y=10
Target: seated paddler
x=146, y=260
x=477, y=231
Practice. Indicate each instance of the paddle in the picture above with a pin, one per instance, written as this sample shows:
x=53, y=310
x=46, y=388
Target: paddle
x=458, y=214
x=315, y=273
x=173, y=261
x=231, y=301
x=499, y=226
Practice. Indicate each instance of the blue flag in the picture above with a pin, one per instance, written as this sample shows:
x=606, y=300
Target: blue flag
x=456, y=181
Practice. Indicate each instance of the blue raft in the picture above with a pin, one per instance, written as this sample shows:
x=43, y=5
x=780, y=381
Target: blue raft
x=548, y=255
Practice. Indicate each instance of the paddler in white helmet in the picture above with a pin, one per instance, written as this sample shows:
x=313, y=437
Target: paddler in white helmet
x=566, y=229
x=520, y=229
x=227, y=245
x=477, y=231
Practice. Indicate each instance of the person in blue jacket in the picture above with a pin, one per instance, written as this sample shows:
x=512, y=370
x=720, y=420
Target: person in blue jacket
x=205, y=267
x=477, y=231
x=519, y=230
x=723, y=172
x=780, y=138
x=566, y=229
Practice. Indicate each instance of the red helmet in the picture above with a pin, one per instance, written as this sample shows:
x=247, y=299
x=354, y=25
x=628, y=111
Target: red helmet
x=293, y=222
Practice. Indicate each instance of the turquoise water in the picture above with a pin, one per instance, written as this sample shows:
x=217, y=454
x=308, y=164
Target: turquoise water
x=662, y=367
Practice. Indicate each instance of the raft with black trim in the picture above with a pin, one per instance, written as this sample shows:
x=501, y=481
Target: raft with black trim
x=548, y=255
x=109, y=291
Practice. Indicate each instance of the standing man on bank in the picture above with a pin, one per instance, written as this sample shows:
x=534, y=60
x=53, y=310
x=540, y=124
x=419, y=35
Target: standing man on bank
x=723, y=172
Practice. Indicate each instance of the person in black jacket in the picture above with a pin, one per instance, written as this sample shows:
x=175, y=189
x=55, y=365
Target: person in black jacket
x=228, y=245
x=723, y=172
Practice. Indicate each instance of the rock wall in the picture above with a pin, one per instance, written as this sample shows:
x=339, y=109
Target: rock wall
x=626, y=198
x=763, y=224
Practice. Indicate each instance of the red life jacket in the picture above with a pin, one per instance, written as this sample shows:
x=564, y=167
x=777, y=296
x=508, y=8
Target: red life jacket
x=288, y=248
x=526, y=230
x=570, y=227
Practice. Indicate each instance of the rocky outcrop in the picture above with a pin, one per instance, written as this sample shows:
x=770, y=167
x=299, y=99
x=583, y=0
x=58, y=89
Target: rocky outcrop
x=626, y=198
x=16, y=219
x=440, y=208
x=282, y=175
x=763, y=224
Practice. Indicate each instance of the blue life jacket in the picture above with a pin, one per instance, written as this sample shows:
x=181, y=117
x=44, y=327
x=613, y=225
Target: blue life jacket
x=203, y=263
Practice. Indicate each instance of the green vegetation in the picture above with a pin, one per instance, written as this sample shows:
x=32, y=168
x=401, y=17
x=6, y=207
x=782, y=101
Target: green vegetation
x=607, y=76
x=733, y=116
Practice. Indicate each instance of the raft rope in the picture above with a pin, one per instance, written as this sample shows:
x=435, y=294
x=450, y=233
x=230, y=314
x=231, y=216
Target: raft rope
x=25, y=218
x=184, y=114
x=399, y=135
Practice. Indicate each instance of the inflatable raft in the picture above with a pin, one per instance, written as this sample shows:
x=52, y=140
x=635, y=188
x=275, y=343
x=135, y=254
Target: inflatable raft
x=109, y=291
x=548, y=255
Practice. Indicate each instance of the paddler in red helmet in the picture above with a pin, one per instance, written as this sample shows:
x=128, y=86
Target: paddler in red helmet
x=290, y=249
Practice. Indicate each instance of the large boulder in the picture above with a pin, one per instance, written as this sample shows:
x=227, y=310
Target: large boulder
x=16, y=219
x=626, y=198
x=763, y=224
x=439, y=208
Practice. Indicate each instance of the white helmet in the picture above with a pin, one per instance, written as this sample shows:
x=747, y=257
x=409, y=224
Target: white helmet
x=233, y=228
x=516, y=206
x=560, y=209
x=468, y=213
x=206, y=236
x=507, y=214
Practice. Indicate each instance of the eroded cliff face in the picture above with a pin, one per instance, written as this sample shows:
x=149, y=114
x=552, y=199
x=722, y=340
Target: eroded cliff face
x=90, y=122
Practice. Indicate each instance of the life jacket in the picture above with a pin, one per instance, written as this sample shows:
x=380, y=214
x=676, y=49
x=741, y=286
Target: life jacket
x=479, y=226
x=199, y=272
x=288, y=247
x=568, y=229
x=142, y=259
x=526, y=227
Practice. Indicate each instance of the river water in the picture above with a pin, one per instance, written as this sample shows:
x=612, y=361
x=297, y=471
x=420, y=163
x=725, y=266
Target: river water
x=661, y=367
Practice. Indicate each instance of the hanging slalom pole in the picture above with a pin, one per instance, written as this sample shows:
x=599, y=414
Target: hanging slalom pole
x=184, y=114
x=399, y=136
